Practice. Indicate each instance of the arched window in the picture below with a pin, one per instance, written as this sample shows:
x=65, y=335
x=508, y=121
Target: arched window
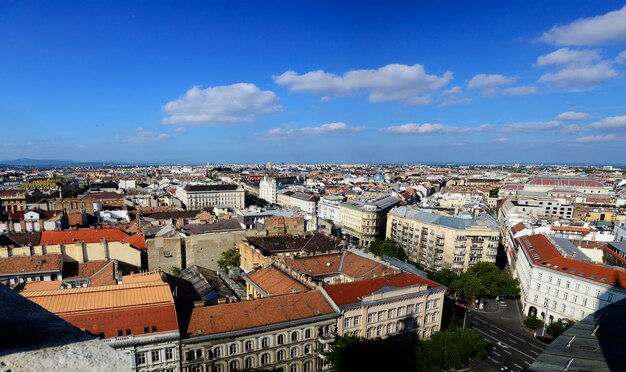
x=217, y=352
x=280, y=339
x=249, y=346
x=294, y=336
x=389, y=328
x=307, y=333
x=234, y=365
x=294, y=352
x=307, y=349
x=370, y=332
x=265, y=342
x=265, y=359
x=233, y=349
x=294, y=368
x=248, y=362
x=196, y=368
x=399, y=326
x=280, y=355
x=379, y=331
x=307, y=366
x=218, y=368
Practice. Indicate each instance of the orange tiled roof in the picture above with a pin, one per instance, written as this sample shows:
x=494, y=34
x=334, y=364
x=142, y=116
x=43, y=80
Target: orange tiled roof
x=256, y=313
x=351, y=293
x=315, y=265
x=41, y=286
x=543, y=253
x=136, y=240
x=275, y=282
x=31, y=264
x=360, y=267
x=82, y=235
x=517, y=228
x=153, y=276
x=583, y=230
x=94, y=299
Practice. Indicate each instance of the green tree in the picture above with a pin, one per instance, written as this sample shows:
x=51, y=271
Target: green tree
x=444, y=276
x=450, y=349
x=387, y=247
x=352, y=353
x=533, y=323
x=229, y=259
x=556, y=328
x=175, y=271
x=467, y=286
x=493, y=282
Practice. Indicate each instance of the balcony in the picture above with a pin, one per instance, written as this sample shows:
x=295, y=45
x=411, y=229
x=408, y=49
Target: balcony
x=327, y=339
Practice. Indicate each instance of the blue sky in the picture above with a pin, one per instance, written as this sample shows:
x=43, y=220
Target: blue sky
x=235, y=82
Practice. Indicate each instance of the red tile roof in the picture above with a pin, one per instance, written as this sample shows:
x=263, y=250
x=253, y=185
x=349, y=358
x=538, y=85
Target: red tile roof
x=517, y=228
x=275, y=282
x=136, y=240
x=543, y=253
x=83, y=235
x=565, y=182
x=31, y=264
x=351, y=293
x=315, y=265
x=250, y=314
x=583, y=230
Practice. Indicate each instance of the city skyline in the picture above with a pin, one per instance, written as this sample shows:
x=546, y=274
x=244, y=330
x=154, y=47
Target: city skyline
x=307, y=83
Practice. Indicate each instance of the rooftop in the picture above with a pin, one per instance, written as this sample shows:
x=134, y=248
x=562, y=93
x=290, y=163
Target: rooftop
x=293, y=243
x=82, y=235
x=16, y=265
x=458, y=223
x=275, y=282
x=247, y=315
x=201, y=188
x=565, y=182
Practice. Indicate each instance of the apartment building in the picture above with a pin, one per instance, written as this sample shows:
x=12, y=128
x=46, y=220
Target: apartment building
x=362, y=222
x=286, y=333
x=404, y=305
x=556, y=285
x=328, y=208
x=303, y=201
x=268, y=189
x=203, y=196
x=438, y=241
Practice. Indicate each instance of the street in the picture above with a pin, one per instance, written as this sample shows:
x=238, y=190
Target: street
x=509, y=347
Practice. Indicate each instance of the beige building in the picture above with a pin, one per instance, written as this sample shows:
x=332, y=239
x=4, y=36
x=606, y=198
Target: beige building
x=285, y=333
x=438, y=241
x=364, y=222
x=409, y=307
x=12, y=200
x=203, y=196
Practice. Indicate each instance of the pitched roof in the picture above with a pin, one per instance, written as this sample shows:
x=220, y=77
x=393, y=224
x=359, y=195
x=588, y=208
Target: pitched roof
x=26, y=239
x=275, y=282
x=359, y=267
x=294, y=243
x=31, y=264
x=315, y=265
x=83, y=235
x=46, y=285
x=136, y=240
x=565, y=182
x=351, y=293
x=221, y=187
x=543, y=253
x=517, y=228
x=256, y=313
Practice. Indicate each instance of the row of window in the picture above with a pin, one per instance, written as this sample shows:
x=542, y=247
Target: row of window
x=156, y=356
x=248, y=363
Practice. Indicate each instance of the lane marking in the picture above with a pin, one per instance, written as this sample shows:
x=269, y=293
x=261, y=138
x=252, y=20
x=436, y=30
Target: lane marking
x=510, y=334
x=518, y=366
x=509, y=346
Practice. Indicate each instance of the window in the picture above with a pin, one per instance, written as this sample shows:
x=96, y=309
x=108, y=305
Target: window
x=128, y=332
x=280, y=339
x=248, y=346
x=562, y=308
x=370, y=318
x=217, y=352
x=232, y=349
x=218, y=368
x=307, y=349
x=434, y=317
x=389, y=328
x=294, y=336
x=540, y=275
x=169, y=354
x=381, y=315
x=307, y=366
x=196, y=368
x=584, y=302
x=307, y=333
x=427, y=318
x=294, y=352
x=428, y=305
x=248, y=362
x=294, y=368
x=400, y=311
x=167, y=254
x=154, y=328
x=558, y=281
x=140, y=358
x=265, y=359
x=146, y=329
x=120, y=333
x=538, y=286
x=280, y=355
x=370, y=332
x=155, y=355
x=567, y=283
x=436, y=304
x=265, y=342
x=409, y=309
x=597, y=293
x=357, y=320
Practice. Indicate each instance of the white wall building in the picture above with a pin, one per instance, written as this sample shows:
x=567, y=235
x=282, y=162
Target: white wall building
x=328, y=208
x=268, y=189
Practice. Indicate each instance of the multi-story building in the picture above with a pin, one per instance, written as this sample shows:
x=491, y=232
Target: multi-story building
x=620, y=231
x=364, y=222
x=18, y=269
x=404, y=305
x=268, y=189
x=12, y=200
x=556, y=285
x=328, y=208
x=203, y=196
x=285, y=333
x=437, y=241
x=138, y=317
x=303, y=201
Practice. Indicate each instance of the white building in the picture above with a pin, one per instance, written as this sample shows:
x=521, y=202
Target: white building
x=303, y=201
x=203, y=196
x=556, y=284
x=328, y=208
x=268, y=189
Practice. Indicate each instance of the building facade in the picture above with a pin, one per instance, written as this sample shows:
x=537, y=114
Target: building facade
x=364, y=222
x=438, y=241
x=328, y=208
x=268, y=189
x=204, y=196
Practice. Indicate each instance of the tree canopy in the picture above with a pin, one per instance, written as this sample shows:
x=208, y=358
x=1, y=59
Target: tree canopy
x=450, y=349
x=484, y=280
x=387, y=247
x=229, y=259
x=444, y=276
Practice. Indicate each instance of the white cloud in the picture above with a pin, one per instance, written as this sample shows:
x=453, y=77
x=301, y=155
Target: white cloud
x=394, y=82
x=621, y=58
x=573, y=115
x=567, y=56
x=500, y=140
x=522, y=90
x=428, y=128
x=143, y=136
x=610, y=124
x=609, y=27
x=575, y=69
x=486, y=81
x=593, y=139
x=454, y=96
x=280, y=134
x=229, y=104
x=540, y=126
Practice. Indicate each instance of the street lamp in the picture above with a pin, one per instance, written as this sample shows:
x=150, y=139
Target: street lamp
x=465, y=318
